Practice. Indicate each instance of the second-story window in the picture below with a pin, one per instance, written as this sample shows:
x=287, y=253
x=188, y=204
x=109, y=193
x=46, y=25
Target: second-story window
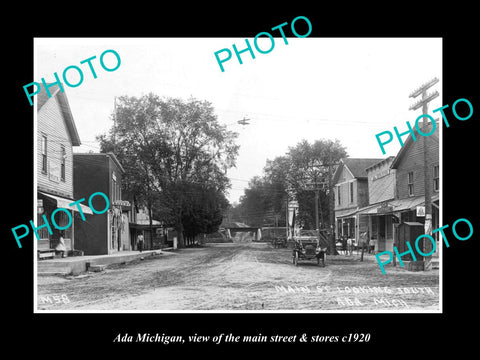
x=63, y=154
x=44, y=153
x=114, y=189
x=351, y=192
x=410, y=183
x=436, y=178
x=338, y=195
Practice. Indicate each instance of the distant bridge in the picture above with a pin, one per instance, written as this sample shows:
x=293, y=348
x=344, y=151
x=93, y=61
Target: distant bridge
x=233, y=228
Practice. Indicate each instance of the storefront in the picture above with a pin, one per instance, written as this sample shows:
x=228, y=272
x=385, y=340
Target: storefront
x=46, y=205
x=155, y=237
x=119, y=234
x=383, y=218
x=351, y=225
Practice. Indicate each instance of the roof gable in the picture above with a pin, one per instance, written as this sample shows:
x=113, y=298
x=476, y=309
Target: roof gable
x=434, y=141
x=42, y=98
x=357, y=166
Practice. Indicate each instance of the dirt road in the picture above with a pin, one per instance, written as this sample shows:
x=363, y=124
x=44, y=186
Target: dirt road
x=242, y=276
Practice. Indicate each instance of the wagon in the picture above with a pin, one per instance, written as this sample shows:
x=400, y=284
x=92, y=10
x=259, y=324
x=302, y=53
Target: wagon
x=308, y=248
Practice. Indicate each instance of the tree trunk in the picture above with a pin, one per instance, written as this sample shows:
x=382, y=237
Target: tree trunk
x=151, y=224
x=180, y=238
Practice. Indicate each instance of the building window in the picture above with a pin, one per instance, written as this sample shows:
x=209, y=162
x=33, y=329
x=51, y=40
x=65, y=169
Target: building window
x=338, y=194
x=351, y=192
x=410, y=183
x=44, y=153
x=114, y=187
x=436, y=178
x=119, y=196
x=63, y=154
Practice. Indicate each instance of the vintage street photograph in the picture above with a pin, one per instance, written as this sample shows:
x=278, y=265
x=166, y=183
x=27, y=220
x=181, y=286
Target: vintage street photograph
x=265, y=175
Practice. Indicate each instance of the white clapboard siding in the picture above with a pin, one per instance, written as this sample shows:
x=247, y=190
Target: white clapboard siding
x=52, y=124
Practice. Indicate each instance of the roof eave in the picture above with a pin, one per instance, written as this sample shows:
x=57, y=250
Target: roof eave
x=67, y=113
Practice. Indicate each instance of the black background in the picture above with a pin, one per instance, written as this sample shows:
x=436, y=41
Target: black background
x=89, y=334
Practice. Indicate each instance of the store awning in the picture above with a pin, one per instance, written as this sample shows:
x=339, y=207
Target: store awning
x=393, y=206
x=64, y=203
x=354, y=212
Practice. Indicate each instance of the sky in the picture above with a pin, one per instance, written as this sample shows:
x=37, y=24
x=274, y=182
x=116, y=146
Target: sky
x=348, y=89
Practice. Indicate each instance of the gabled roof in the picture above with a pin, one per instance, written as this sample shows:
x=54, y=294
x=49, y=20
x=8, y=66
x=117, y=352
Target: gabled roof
x=42, y=98
x=433, y=142
x=356, y=166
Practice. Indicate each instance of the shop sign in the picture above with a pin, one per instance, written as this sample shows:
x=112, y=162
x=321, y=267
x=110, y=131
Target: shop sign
x=121, y=203
x=54, y=171
x=384, y=208
x=420, y=210
x=380, y=175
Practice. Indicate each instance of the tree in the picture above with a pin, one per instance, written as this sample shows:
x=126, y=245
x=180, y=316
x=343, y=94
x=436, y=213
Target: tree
x=168, y=145
x=204, y=213
x=304, y=168
x=312, y=167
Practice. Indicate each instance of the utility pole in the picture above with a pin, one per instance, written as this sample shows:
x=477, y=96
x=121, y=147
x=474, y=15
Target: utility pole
x=331, y=201
x=315, y=187
x=331, y=204
x=423, y=102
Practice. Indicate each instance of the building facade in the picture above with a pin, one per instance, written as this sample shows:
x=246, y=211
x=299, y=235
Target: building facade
x=56, y=137
x=351, y=194
x=397, y=191
x=381, y=191
x=155, y=237
x=410, y=179
x=108, y=232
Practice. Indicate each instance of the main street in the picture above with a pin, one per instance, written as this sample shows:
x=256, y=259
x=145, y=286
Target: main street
x=242, y=276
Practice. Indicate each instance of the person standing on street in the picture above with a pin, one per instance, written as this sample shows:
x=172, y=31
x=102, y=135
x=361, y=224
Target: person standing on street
x=140, y=242
x=61, y=248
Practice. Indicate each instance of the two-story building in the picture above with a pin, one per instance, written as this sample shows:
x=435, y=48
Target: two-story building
x=351, y=194
x=56, y=136
x=410, y=177
x=410, y=180
x=108, y=232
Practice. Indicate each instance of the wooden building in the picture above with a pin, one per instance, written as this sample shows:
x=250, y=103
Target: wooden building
x=381, y=191
x=351, y=194
x=397, y=191
x=56, y=136
x=410, y=178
